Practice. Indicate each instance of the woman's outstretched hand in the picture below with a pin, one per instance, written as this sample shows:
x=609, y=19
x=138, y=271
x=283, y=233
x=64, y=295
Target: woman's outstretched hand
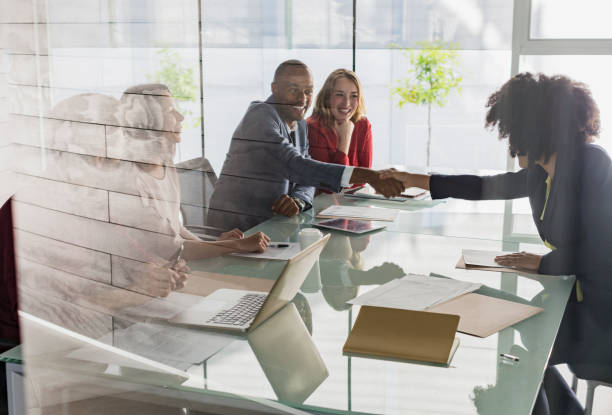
x=407, y=179
x=522, y=260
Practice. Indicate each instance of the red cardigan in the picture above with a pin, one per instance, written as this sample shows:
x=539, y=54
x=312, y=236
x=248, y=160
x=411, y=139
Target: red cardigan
x=323, y=140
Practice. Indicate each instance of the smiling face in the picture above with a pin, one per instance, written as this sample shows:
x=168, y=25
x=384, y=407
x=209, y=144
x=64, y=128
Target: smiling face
x=292, y=93
x=344, y=99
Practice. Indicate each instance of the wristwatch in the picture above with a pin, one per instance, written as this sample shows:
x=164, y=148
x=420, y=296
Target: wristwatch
x=301, y=204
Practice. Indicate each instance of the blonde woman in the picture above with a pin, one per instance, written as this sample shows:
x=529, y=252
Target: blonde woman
x=338, y=131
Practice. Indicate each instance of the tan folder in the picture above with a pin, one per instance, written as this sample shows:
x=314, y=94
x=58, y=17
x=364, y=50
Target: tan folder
x=481, y=315
x=404, y=335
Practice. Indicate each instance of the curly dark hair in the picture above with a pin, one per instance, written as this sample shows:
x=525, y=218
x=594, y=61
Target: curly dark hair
x=540, y=115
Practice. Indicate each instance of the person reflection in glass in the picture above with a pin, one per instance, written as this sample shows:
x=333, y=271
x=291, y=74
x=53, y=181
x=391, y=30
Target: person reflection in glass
x=342, y=270
x=152, y=129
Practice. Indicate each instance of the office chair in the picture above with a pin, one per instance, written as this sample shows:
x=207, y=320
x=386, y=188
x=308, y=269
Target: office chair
x=197, y=179
x=9, y=323
x=594, y=376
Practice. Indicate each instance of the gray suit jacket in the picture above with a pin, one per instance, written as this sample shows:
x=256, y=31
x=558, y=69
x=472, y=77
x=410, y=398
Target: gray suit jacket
x=261, y=165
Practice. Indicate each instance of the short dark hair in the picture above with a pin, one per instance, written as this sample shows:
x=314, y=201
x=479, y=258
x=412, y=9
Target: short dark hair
x=541, y=114
x=289, y=64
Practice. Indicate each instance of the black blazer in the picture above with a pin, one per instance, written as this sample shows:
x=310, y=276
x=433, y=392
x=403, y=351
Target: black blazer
x=578, y=222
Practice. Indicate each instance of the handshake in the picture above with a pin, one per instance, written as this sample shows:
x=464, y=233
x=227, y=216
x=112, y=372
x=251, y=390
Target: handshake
x=388, y=182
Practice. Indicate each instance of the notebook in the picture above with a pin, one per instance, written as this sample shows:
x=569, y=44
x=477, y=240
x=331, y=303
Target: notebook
x=241, y=310
x=406, y=335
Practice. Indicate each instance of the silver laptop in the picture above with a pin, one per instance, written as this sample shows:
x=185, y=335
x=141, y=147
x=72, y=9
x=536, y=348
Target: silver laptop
x=241, y=310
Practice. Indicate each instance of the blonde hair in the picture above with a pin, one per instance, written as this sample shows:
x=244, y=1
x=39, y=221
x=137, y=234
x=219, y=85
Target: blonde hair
x=321, y=109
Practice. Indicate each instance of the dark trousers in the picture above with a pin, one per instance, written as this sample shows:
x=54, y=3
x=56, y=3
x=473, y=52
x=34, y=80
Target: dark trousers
x=555, y=396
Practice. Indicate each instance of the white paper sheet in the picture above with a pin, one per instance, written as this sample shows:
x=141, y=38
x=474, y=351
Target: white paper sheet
x=176, y=347
x=412, y=193
x=483, y=258
x=274, y=252
x=415, y=292
x=162, y=343
x=359, y=212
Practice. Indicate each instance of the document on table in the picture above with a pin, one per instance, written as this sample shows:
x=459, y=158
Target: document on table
x=281, y=251
x=176, y=347
x=167, y=343
x=415, y=292
x=477, y=258
x=359, y=213
x=412, y=193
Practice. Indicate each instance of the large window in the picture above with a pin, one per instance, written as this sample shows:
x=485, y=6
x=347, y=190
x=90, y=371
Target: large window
x=482, y=33
x=569, y=38
x=242, y=49
x=569, y=19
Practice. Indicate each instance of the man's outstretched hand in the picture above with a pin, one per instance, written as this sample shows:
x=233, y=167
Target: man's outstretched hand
x=388, y=187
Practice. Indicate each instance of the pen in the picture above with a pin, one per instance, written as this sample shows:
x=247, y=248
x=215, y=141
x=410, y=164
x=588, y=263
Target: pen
x=279, y=245
x=509, y=356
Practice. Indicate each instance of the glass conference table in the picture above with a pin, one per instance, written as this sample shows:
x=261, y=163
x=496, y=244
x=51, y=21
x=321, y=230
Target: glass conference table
x=294, y=363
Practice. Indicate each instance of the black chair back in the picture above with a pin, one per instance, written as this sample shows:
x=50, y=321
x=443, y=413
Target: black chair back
x=9, y=323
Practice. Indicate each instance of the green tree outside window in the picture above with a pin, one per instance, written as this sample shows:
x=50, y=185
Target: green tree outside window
x=431, y=78
x=181, y=82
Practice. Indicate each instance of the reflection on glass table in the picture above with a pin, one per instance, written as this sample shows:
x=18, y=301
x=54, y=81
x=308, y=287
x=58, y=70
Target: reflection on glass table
x=452, y=217
x=350, y=264
x=322, y=379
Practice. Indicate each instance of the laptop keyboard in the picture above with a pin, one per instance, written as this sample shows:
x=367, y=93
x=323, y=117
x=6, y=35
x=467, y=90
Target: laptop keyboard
x=241, y=313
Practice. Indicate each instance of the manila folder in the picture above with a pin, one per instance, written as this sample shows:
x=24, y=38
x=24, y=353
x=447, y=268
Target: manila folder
x=403, y=334
x=482, y=315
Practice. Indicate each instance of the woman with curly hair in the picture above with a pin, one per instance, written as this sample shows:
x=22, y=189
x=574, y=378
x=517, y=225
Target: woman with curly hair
x=551, y=124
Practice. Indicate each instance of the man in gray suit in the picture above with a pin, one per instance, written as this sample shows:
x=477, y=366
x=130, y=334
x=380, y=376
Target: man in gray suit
x=268, y=169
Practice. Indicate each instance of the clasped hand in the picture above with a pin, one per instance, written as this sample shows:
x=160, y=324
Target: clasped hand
x=257, y=242
x=285, y=205
x=387, y=186
x=344, y=131
x=162, y=281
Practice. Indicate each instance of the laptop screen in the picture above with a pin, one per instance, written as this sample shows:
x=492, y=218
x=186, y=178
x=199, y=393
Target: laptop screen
x=290, y=280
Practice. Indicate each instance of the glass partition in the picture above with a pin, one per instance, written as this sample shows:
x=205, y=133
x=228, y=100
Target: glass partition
x=115, y=120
